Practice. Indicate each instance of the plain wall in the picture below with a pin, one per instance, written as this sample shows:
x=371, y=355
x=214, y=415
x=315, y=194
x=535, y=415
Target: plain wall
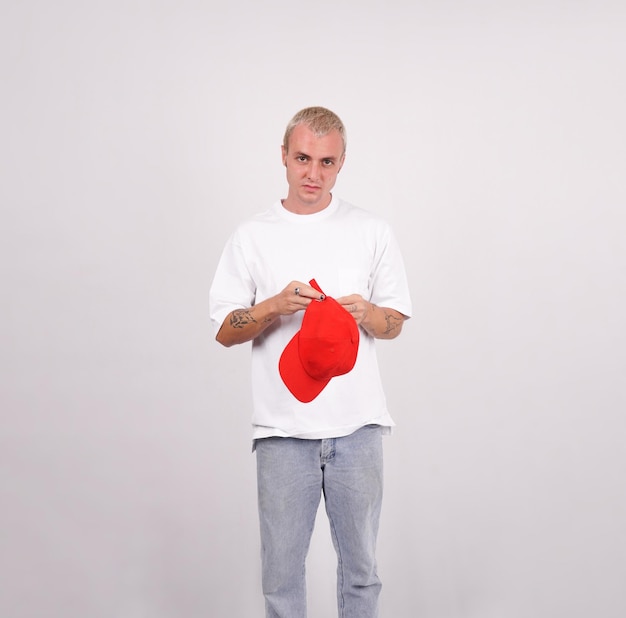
x=135, y=135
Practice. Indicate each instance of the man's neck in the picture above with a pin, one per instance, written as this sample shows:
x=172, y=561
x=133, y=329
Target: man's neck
x=302, y=208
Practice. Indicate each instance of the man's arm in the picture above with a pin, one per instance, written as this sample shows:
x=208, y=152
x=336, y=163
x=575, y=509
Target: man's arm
x=243, y=325
x=379, y=322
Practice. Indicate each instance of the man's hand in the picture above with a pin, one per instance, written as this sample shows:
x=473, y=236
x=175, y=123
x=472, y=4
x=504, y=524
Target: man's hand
x=355, y=305
x=295, y=297
x=243, y=325
x=379, y=322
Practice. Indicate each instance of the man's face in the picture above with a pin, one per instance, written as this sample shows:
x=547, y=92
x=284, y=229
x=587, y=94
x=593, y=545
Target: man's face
x=312, y=166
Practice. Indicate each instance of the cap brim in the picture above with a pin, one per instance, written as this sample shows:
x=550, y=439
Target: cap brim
x=302, y=386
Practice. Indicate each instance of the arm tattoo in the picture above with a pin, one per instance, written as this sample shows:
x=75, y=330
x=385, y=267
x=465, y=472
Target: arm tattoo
x=393, y=322
x=241, y=318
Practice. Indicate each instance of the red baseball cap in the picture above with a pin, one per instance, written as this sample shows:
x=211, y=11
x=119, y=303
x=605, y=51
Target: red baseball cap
x=325, y=346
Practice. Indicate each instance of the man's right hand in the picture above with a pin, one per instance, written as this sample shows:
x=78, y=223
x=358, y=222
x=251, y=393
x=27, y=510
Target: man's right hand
x=243, y=325
x=295, y=297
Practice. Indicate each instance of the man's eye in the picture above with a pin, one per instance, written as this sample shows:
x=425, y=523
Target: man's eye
x=301, y=158
x=327, y=162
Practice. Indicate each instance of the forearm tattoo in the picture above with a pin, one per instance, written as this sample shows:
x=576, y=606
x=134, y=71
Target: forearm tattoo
x=241, y=318
x=393, y=322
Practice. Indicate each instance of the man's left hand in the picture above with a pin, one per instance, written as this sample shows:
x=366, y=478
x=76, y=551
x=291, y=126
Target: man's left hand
x=356, y=306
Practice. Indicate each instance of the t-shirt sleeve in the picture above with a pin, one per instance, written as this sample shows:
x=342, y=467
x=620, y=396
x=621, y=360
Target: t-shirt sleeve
x=389, y=284
x=233, y=286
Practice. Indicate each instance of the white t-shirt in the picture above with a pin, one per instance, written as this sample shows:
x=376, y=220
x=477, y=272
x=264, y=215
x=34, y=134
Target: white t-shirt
x=347, y=250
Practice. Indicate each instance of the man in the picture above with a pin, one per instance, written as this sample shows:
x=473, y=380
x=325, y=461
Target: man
x=329, y=444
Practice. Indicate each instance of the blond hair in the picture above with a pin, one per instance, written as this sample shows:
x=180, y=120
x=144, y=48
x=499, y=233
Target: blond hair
x=319, y=120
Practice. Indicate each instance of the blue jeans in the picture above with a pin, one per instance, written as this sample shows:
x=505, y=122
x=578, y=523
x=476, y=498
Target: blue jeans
x=292, y=474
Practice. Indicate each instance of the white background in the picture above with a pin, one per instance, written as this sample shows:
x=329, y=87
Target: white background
x=135, y=135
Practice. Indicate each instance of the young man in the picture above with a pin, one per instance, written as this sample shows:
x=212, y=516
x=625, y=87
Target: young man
x=314, y=433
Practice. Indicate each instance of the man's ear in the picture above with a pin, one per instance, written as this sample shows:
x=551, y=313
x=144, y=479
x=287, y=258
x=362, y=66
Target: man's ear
x=283, y=153
x=341, y=161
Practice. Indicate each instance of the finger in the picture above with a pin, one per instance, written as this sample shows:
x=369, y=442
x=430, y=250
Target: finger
x=346, y=300
x=306, y=291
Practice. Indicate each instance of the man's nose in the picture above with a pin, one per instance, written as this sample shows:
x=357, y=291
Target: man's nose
x=314, y=170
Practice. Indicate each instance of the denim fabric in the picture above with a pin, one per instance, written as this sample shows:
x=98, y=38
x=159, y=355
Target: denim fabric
x=292, y=476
